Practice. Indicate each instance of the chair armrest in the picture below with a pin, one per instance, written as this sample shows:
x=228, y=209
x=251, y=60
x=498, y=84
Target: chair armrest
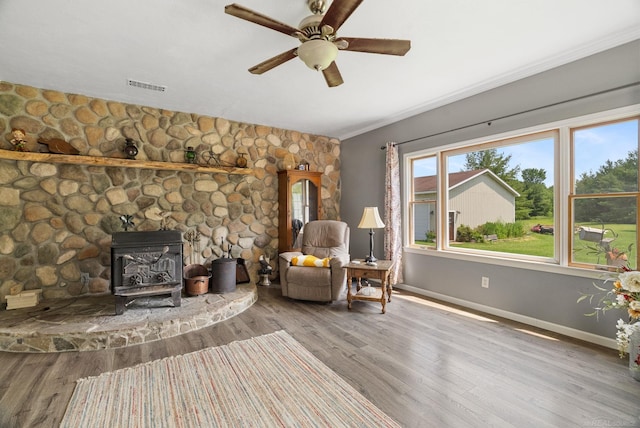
x=337, y=262
x=284, y=261
x=339, y=274
x=288, y=256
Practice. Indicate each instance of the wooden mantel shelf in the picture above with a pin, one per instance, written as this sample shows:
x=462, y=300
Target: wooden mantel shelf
x=123, y=163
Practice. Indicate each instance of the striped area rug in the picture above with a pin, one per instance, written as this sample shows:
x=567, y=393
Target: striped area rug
x=267, y=381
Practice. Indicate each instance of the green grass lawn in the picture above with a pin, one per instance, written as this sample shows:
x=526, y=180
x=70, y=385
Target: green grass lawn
x=536, y=244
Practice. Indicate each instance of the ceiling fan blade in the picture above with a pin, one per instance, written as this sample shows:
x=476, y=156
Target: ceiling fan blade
x=332, y=75
x=257, y=18
x=338, y=12
x=273, y=62
x=379, y=46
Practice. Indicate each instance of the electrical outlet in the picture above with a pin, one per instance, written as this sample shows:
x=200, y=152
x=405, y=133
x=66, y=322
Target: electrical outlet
x=485, y=282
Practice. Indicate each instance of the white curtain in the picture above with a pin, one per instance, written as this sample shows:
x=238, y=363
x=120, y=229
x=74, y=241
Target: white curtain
x=393, y=214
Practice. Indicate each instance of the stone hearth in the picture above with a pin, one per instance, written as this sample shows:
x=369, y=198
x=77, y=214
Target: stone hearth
x=90, y=323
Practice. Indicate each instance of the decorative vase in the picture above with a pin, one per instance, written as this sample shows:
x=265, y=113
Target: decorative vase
x=634, y=354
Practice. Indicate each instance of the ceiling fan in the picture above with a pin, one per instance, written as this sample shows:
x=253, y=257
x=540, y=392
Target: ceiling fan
x=317, y=33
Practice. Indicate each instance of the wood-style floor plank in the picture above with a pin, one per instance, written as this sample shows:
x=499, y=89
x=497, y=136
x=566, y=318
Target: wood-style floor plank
x=424, y=363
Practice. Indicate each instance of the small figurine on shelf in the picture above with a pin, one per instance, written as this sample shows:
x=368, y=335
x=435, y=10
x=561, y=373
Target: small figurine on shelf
x=19, y=142
x=241, y=162
x=130, y=148
x=190, y=155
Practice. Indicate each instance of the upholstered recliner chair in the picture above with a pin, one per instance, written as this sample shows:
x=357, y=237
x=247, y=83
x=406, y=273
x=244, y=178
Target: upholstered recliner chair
x=326, y=279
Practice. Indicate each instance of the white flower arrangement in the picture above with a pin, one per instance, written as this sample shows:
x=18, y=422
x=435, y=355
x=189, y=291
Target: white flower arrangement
x=625, y=294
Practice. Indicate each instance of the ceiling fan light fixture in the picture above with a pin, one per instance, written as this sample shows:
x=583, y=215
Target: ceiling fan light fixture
x=317, y=54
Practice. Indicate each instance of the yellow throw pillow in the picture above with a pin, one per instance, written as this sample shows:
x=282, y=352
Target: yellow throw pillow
x=310, y=261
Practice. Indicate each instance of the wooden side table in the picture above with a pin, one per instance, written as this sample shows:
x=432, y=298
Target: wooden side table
x=380, y=271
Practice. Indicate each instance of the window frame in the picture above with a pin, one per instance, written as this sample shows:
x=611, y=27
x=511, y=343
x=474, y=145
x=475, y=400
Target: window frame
x=574, y=196
x=563, y=187
x=412, y=202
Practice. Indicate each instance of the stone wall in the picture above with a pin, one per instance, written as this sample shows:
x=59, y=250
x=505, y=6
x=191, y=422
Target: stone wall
x=56, y=219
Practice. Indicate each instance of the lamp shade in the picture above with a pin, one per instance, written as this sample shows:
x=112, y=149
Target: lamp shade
x=370, y=219
x=317, y=54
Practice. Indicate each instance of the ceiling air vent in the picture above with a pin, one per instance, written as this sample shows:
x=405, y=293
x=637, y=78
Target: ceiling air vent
x=145, y=85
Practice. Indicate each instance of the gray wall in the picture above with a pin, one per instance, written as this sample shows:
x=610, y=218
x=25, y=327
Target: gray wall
x=547, y=297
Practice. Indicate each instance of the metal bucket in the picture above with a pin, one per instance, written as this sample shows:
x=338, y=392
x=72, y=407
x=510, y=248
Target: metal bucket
x=196, y=279
x=223, y=275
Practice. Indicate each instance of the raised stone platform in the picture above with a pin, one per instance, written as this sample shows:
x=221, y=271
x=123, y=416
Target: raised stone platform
x=90, y=323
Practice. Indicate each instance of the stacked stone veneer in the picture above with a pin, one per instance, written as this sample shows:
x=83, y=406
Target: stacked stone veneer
x=56, y=219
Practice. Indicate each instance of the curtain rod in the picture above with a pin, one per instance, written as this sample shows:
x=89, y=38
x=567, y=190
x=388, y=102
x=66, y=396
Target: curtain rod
x=488, y=122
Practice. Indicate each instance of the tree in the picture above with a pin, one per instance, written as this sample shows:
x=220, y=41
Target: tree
x=534, y=175
x=496, y=162
x=538, y=197
x=524, y=206
x=612, y=177
x=618, y=176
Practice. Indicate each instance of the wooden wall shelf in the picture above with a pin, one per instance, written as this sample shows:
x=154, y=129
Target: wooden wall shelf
x=117, y=162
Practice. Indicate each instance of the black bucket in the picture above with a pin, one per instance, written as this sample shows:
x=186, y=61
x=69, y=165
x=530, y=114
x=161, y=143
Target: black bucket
x=223, y=275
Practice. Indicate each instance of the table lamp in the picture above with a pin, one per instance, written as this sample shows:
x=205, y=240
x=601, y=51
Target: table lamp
x=370, y=220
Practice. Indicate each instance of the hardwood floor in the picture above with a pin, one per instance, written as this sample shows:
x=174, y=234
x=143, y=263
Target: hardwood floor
x=424, y=363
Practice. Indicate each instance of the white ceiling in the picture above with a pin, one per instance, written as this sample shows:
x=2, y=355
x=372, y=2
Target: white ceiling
x=201, y=54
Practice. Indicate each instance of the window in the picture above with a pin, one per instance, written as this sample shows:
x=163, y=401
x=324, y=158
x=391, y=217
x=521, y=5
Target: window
x=604, y=194
x=423, y=206
x=520, y=197
x=500, y=196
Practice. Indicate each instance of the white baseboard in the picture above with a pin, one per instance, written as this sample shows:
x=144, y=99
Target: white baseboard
x=556, y=328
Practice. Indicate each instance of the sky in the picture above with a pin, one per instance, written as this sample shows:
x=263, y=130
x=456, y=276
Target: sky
x=593, y=147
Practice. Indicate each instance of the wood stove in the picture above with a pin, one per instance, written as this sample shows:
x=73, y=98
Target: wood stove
x=146, y=264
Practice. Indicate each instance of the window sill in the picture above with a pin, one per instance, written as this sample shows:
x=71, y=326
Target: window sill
x=515, y=263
